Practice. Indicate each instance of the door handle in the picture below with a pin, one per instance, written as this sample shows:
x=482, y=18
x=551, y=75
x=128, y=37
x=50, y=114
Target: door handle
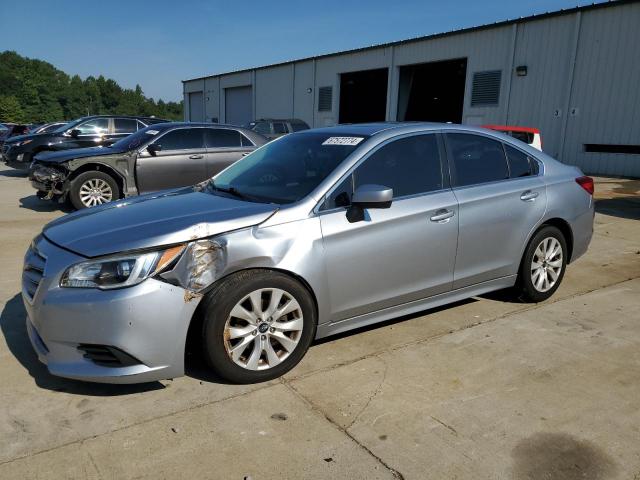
x=196, y=157
x=442, y=216
x=245, y=154
x=529, y=196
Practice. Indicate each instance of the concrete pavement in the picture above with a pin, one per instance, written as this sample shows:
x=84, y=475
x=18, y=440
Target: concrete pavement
x=486, y=388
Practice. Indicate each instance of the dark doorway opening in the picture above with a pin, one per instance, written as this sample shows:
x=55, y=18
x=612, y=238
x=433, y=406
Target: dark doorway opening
x=432, y=92
x=363, y=96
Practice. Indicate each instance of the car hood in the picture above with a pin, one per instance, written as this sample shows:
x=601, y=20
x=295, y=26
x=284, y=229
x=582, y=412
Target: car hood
x=62, y=156
x=153, y=220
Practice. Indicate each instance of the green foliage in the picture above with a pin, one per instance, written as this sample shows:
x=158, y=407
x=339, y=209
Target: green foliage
x=35, y=91
x=10, y=109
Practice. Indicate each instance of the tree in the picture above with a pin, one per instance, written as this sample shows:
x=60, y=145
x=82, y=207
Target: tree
x=33, y=90
x=10, y=110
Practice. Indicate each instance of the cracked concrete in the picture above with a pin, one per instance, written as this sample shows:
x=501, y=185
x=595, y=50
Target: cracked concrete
x=486, y=388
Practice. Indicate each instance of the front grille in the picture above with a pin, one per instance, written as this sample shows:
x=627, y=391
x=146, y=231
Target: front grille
x=33, y=271
x=107, y=356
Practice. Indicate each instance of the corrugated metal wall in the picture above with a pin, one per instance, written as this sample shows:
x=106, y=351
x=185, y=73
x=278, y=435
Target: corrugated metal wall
x=582, y=83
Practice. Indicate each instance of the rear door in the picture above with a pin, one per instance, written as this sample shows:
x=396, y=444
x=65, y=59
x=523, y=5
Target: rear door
x=181, y=161
x=399, y=254
x=500, y=202
x=224, y=147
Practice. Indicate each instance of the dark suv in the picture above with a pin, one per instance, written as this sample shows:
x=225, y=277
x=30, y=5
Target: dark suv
x=17, y=152
x=274, y=128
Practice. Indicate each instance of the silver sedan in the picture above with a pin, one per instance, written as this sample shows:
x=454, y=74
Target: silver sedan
x=313, y=234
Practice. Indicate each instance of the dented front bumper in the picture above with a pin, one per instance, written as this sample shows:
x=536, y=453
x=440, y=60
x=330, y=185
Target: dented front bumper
x=148, y=323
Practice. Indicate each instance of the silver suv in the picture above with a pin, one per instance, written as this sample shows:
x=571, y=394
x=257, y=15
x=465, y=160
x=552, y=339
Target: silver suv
x=274, y=128
x=312, y=234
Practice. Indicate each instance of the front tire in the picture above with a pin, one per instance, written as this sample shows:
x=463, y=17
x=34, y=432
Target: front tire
x=543, y=265
x=257, y=325
x=93, y=188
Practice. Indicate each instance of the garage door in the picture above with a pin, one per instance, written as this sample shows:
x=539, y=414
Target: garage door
x=196, y=110
x=238, y=105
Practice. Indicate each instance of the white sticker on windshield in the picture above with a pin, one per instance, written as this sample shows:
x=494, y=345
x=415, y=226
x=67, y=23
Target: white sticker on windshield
x=342, y=141
x=152, y=132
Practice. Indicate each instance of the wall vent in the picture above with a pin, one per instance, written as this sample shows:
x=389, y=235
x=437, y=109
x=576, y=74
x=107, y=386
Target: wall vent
x=486, y=88
x=325, y=99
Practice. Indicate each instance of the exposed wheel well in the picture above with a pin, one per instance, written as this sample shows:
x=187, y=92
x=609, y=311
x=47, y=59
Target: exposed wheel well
x=193, y=341
x=565, y=228
x=100, y=168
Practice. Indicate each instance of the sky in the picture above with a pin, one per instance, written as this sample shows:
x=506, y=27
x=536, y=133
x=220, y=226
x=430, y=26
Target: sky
x=157, y=44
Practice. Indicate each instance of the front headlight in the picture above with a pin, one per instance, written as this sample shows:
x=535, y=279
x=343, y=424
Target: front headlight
x=23, y=142
x=119, y=271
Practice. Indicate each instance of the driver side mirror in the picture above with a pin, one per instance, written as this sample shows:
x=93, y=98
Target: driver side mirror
x=75, y=133
x=154, y=148
x=368, y=196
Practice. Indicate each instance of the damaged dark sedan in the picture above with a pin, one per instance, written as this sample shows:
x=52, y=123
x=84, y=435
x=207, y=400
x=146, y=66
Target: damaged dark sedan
x=155, y=158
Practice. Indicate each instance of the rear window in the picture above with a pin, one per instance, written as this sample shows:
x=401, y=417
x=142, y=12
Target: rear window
x=520, y=164
x=222, y=138
x=477, y=159
x=125, y=125
x=279, y=127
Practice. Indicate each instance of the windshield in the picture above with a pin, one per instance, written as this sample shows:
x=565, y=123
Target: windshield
x=67, y=126
x=137, y=139
x=286, y=170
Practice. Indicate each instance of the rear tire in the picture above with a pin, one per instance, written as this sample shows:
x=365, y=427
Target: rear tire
x=93, y=188
x=257, y=325
x=543, y=265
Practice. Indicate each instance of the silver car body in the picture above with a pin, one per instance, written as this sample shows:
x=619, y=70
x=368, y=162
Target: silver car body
x=424, y=251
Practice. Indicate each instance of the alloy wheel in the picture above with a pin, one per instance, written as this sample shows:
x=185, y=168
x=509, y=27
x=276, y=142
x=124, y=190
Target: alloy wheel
x=546, y=264
x=95, y=191
x=263, y=329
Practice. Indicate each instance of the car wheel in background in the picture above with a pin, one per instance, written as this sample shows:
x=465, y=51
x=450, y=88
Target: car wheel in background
x=543, y=265
x=93, y=188
x=257, y=325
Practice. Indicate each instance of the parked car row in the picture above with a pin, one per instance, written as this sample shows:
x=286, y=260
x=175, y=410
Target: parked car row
x=18, y=152
x=312, y=234
x=161, y=156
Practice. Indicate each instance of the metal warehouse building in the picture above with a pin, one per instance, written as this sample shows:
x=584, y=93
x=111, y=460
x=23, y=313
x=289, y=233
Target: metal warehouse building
x=574, y=74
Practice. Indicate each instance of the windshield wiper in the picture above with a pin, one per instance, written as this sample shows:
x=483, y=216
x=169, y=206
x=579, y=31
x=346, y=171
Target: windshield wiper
x=232, y=191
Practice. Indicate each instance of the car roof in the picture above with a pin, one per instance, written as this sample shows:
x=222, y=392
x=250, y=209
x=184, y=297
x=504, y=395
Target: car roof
x=197, y=124
x=371, y=129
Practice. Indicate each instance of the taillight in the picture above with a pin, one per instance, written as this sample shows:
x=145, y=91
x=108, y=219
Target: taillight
x=586, y=183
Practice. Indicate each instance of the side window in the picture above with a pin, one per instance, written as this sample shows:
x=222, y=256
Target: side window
x=410, y=165
x=520, y=164
x=477, y=159
x=97, y=126
x=219, y=138
x=340, y=196
x=297, y=126
x=263, y=128
x=246, y=142
x=182, y=139
x=279, y=127
x=125, y=125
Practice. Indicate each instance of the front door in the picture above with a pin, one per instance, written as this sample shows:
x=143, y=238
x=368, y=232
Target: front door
x=180, y=161
x=395, y=255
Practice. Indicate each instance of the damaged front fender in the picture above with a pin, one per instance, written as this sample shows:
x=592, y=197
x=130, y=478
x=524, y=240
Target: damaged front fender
x=198, y=267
